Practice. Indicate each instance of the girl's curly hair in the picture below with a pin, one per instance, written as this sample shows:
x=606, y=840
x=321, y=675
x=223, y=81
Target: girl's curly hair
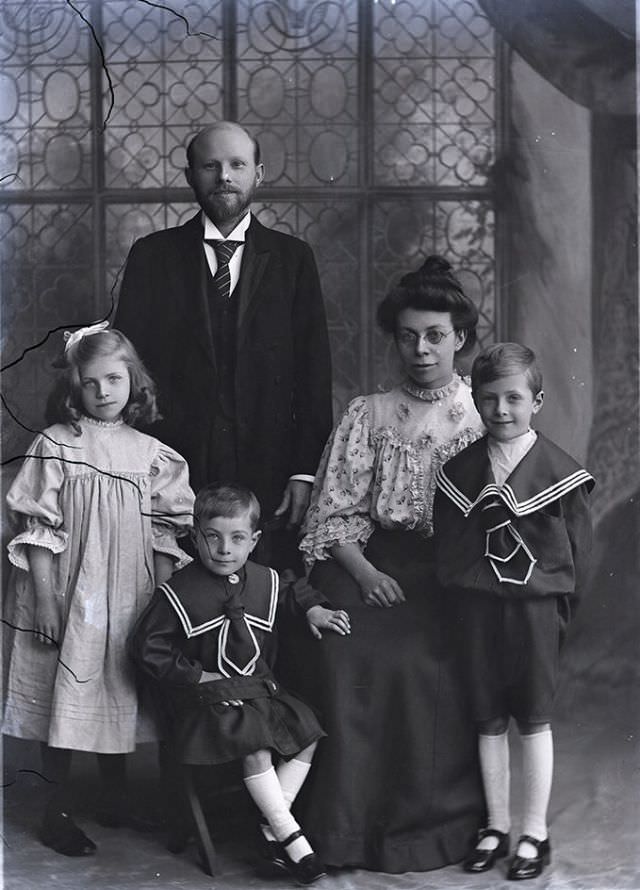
x=65, y=402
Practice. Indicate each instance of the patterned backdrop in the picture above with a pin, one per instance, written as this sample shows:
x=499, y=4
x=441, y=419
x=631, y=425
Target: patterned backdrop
x=378, y=122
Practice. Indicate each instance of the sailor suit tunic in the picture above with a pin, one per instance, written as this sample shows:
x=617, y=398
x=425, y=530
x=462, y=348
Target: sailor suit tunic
x=199, y=621
x=514, y=558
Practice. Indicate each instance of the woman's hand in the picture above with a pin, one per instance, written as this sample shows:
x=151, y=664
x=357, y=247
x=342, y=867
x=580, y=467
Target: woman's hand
x=379, y=589
x=319, y=618
x=47, y=622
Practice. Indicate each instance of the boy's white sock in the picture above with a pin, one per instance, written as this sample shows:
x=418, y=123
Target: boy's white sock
x=496, y=776
x=267, y=794
x=291, y=775
x=537, y=769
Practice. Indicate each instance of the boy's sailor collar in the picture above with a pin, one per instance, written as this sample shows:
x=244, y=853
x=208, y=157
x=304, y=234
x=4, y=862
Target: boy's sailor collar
x=545, y=474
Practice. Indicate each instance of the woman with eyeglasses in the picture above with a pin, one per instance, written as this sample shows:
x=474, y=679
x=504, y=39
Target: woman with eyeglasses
x=395, y=786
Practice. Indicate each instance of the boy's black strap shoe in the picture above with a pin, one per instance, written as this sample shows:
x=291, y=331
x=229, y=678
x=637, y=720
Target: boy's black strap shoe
x=308, y=869
x=273, y=859
x=479, y=860
x=522, y=867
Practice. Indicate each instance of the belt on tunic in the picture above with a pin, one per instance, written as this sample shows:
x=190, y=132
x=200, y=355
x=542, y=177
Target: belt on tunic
x=215, y=691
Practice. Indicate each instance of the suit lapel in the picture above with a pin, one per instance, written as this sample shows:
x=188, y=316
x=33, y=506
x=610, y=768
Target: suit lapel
x=254, y=262
x=196, y=274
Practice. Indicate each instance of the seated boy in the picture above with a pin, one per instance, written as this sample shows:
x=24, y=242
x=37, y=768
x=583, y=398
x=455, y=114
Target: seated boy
x=204, y=639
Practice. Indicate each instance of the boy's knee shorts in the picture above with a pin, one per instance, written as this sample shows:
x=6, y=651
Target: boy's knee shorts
x=511, y=651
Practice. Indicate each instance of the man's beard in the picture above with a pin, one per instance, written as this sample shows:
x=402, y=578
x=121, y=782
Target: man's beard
x=225, y=206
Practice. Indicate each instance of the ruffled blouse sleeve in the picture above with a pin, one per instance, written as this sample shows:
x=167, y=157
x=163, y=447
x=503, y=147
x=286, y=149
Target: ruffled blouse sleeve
x=341, y=501
x=34, y=502
x=171, y=503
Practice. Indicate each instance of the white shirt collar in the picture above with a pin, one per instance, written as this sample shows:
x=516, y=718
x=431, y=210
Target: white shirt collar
x=518, y=446
x=504, y=457
x=238, y=234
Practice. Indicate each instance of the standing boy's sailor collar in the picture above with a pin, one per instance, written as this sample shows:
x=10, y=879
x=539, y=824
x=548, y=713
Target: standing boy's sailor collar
x=544, y=474
x=211, y=231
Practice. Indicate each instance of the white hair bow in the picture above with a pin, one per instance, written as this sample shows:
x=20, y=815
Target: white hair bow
x=72, y=338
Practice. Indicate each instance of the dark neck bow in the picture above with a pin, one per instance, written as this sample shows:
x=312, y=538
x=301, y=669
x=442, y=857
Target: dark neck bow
x=238, y=648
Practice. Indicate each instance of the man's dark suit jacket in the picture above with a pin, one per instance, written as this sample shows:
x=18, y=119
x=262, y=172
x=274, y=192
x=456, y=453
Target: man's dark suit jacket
x=283, y=372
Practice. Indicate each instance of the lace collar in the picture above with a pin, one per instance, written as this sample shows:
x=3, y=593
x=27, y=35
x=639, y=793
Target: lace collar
x=432, y=395
x=110, y=424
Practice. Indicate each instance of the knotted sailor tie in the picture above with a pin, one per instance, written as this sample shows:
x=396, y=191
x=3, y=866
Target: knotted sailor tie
x=510, y=558
x=224, y=250
x=238, y=649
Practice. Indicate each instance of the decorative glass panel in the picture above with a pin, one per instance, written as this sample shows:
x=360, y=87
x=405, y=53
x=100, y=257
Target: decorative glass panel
x=167, y=63
x=45, y=109
x=46, y=279
x=297, y=79
x=434, y=98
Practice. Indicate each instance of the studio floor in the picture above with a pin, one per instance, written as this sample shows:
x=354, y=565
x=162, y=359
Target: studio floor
x=595, y=822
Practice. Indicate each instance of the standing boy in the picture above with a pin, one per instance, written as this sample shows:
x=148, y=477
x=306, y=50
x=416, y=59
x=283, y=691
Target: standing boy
x=513, y=532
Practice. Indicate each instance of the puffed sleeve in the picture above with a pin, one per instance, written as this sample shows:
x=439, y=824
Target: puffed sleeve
x=340, y=508
x=34, y=502
x=171, y=503
x=155, y=645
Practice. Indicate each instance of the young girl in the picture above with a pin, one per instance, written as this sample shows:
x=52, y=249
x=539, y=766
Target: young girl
x=99, y=506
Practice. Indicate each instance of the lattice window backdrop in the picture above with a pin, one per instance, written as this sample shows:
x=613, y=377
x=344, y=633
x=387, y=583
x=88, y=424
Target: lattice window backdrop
x=378, y=123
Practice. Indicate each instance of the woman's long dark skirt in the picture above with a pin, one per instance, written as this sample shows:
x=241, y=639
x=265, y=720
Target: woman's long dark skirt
x=395, y=786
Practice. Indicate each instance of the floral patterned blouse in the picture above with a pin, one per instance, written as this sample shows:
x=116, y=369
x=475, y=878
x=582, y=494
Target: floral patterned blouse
x=380, y=463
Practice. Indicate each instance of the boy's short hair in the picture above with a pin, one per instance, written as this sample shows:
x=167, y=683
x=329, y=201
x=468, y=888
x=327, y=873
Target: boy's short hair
x=226, y=499
x=502, y=360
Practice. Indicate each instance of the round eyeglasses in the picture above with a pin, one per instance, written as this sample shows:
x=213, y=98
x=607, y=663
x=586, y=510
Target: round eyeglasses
x=433, y=336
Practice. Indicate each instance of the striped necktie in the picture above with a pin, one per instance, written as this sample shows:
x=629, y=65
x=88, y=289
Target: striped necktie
x=224, y=250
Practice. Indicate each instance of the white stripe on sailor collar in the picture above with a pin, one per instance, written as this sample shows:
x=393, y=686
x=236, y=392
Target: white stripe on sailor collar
x=255, y=620
x=506, y=493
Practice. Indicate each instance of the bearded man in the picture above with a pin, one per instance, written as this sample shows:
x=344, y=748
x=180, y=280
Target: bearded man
x=229, y=318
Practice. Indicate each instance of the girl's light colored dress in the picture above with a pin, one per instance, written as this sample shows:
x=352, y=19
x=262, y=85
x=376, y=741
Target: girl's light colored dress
x=102, y=503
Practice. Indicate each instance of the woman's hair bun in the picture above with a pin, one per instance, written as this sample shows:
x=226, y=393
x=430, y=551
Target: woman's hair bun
x=433, y=267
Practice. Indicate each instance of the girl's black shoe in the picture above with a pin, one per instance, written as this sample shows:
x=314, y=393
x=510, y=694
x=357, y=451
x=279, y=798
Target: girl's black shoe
x=59, y=832
x=479, y=860
x=522, y=867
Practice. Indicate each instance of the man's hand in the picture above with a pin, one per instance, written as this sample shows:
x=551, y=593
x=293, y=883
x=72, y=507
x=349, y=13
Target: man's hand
x=295, y=499
x=319, y=618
